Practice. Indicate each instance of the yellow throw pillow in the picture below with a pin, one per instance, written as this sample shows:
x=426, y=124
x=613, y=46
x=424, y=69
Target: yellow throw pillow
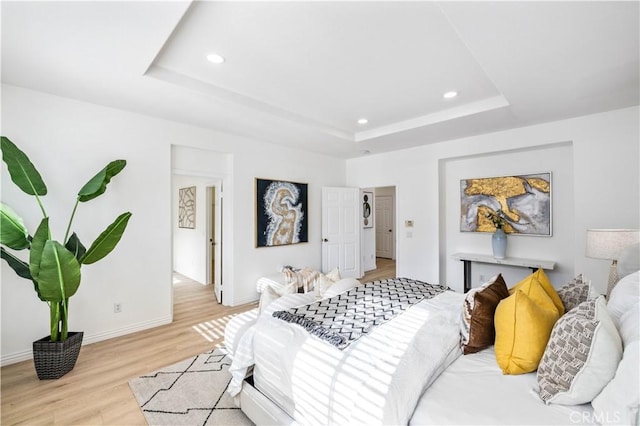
x=536, y=286
x=523, y=327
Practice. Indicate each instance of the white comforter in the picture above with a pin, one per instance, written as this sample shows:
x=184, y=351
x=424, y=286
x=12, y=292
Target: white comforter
x=376, y=380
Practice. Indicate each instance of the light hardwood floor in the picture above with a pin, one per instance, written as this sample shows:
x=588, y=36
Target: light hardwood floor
x=96, y=391
x=385, y=268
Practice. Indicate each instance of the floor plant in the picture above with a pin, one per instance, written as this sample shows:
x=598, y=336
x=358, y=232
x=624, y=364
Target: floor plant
x=53, y=266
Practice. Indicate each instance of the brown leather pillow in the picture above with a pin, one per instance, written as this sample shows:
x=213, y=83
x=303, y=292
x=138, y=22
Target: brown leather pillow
x=479, y=310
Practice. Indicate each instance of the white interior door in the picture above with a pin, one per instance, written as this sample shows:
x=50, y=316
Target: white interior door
x=341, y=231
x=385, y=234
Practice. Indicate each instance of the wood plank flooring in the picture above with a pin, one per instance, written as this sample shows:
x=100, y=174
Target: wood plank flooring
x=385, y=268
x=96, y=391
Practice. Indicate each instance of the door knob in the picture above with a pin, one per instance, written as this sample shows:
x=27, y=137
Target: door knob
x=325, y=240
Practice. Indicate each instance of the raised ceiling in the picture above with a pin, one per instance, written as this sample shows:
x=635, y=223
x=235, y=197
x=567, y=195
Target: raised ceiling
x=303, y=73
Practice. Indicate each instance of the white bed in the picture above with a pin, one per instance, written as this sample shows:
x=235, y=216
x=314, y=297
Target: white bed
x=484, y=396
x=409, y=370
x=377, y=379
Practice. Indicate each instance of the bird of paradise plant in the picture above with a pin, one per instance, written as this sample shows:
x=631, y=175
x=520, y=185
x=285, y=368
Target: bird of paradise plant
x=53, y=267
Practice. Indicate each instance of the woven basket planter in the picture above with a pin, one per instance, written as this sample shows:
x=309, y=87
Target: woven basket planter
x=55, y=359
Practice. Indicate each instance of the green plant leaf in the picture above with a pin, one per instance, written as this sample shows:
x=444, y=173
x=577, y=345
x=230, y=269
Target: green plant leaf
x=98, y=184
x=107, y=241
x=75, y=246
x=40, y=237
x=13, y=233
x=23, y=172
x=59, y=276
x=21, y=268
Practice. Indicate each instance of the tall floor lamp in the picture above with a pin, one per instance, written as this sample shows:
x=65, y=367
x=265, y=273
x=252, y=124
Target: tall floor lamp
x=607, y=244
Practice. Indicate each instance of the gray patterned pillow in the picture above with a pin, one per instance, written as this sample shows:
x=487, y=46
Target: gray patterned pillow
x=574, y=292
x=581, y=357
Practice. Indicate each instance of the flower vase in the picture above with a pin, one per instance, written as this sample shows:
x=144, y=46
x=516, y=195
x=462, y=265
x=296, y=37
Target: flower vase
x=499, y=244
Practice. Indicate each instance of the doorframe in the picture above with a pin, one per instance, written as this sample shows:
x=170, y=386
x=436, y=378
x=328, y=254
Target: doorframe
x=214, y=226
x=394, y=219
x=225, y=182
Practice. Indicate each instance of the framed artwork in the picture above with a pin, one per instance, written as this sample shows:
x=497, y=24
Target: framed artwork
x=281, y=213
x=525, y=202
x=187, y=207
x=367, y=209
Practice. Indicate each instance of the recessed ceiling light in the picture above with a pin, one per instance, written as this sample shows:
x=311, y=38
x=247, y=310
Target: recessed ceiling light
x=215, y=58
x=363, y=121
x=450, y=95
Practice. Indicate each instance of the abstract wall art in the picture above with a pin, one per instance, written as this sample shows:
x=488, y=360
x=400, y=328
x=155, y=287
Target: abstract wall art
x=525, y=201
x=367, y=209
x=187, y=207
x=281, y=213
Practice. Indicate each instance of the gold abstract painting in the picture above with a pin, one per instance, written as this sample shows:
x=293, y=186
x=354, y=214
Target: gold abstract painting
x=525, y=202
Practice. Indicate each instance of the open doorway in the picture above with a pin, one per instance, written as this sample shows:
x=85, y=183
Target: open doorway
x=379, y=237
x=197, y=231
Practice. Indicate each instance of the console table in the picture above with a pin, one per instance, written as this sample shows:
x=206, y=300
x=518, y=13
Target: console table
x=467, y=258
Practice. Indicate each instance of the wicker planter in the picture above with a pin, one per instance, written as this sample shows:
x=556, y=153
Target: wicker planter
x=55, y=359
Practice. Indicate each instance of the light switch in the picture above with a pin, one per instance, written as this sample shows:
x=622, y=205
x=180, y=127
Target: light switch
x=408, y=223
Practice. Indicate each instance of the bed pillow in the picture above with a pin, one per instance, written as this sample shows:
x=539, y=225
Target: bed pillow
x=574, y=292
x=523, y=326
x=629, y=326
x=537, y=286
x=624, y=296
x=477, y=328
x=619, y=401
x=341, y=286
x=581, y=357
x=267, y=296
x=334, y=275
x=324, y=281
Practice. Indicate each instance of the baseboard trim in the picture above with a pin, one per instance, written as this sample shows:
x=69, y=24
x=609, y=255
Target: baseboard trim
x=88, y=339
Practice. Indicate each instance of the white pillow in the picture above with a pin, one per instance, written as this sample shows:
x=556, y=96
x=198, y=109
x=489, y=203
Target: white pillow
x=323, y=283
x=581, y=357
x=334, y=275
x=269, y=294
x=619, y=401
x=624, y=296
x=341, y=286
x=629, y=326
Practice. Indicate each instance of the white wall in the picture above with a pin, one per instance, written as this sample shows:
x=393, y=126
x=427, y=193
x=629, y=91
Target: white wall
x=594, y=160
x=69, y=141
x=557, y=159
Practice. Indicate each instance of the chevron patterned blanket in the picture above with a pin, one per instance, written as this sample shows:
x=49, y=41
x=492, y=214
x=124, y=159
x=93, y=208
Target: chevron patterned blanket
x=342, y=319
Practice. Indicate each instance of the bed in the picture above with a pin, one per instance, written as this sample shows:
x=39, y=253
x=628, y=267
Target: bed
x=412, y=369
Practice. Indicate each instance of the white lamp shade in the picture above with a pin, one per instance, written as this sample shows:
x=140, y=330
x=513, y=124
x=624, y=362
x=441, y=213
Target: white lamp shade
x=608, y=243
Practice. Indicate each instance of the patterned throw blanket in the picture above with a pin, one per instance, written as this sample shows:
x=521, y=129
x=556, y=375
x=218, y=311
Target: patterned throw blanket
x=344, y=318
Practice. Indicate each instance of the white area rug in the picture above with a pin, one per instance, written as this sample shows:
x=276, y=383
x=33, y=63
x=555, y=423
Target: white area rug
x=190, y=392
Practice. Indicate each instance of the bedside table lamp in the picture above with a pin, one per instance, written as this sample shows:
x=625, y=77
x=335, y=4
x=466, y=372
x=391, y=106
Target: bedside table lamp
x=607, y=244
